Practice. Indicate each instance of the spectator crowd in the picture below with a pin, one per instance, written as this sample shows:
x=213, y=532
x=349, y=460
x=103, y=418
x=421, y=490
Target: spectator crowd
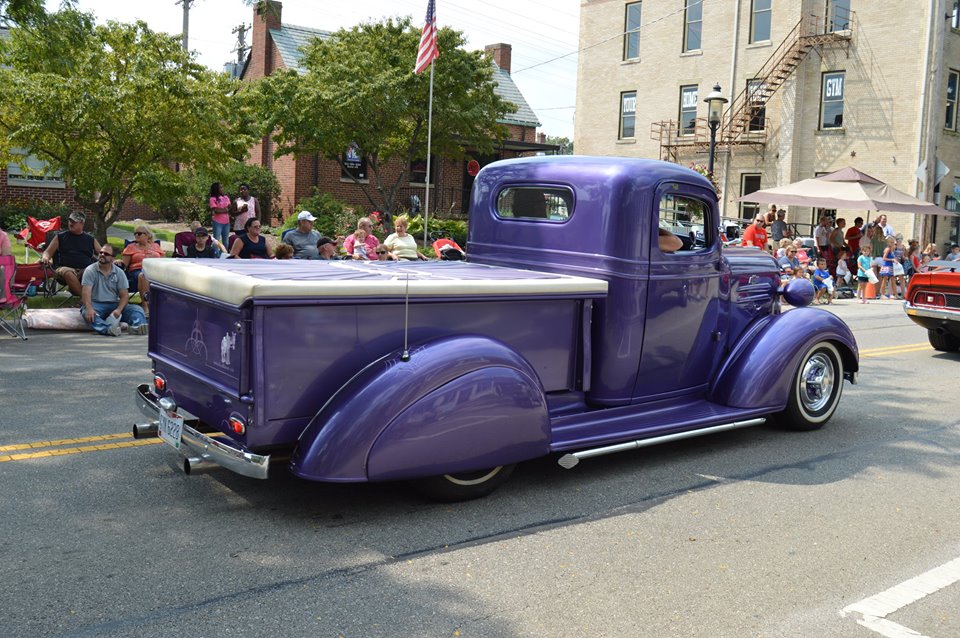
x=866, y=260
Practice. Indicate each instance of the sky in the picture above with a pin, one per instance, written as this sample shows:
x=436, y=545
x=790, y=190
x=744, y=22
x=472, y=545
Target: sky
x=543, y=33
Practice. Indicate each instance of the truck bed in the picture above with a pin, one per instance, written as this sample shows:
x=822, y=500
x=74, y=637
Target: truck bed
x=235, y=281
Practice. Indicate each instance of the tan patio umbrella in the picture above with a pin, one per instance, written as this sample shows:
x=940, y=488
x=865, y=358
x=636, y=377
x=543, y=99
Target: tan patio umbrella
x=849, y=189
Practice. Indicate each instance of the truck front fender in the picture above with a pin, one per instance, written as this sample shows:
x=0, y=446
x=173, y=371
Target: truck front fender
x=458, y=404
x=759, y=370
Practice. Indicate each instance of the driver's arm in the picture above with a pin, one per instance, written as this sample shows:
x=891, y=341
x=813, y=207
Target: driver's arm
x=668, y=242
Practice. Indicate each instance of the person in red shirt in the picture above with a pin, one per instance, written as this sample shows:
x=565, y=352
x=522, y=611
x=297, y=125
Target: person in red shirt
x=853, y=235
x=755, y=235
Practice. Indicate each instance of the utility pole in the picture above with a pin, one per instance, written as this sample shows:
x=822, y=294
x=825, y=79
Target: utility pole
x=241, y=30
x=186, y=22
x=934, y=115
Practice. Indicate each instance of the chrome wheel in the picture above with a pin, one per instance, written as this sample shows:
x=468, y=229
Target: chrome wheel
x=815, y=389
x=817, y=379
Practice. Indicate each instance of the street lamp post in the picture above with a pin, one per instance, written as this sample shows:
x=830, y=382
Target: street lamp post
x=715, y=102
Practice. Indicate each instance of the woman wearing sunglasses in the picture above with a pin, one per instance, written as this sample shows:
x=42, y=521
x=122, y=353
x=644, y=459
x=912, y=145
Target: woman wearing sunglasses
x=250, y=244
x=142, y=247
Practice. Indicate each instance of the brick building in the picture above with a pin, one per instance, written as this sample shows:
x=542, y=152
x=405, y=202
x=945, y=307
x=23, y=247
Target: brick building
x=278, y=46
x=813, y=85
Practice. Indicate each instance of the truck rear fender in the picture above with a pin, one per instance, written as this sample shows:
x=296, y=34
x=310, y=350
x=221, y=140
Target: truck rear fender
x=759, y=369
x=458, y=404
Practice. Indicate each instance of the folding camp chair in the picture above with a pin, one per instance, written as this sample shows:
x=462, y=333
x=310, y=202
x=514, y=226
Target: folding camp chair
x=181, y=241
x=12, y=302
x=38, y=232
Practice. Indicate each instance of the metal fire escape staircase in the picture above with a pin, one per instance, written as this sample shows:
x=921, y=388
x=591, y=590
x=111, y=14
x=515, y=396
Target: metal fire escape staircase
x=742, y=123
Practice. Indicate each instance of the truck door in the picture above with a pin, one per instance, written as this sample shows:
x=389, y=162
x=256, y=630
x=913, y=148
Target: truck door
x=681, y=344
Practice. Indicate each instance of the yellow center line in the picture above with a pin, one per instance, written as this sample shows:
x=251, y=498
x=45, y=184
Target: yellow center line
x=894, y=348
x=59, y=442
x=894, y=352
x=76, y=450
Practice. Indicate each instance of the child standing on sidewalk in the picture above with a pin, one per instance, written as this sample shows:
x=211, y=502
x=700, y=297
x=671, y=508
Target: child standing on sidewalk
x=864, y=264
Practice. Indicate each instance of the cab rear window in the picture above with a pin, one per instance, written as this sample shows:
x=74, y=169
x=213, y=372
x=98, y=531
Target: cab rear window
x=535, y=202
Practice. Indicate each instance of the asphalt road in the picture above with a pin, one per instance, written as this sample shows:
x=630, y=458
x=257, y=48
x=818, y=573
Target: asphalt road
x=755, y=532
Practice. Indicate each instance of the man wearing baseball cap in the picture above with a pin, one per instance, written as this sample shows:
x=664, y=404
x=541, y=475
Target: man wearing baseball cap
x=304, y=238
x=71, y=251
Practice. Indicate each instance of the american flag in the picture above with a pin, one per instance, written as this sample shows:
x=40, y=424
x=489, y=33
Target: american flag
x=428, y=51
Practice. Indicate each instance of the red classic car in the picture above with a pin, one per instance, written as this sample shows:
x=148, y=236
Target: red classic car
x=933, y=301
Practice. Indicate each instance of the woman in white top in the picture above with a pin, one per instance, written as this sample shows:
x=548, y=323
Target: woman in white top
x=401, y=243
x=247, y=207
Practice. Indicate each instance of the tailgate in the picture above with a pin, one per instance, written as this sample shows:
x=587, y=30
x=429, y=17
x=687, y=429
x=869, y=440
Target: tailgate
x=196, y=335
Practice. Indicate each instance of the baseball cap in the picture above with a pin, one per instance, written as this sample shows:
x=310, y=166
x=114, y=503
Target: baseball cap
x=201, y=231
x=323, y=241
x=77, y=217
x=306, y=216
x=781, y=212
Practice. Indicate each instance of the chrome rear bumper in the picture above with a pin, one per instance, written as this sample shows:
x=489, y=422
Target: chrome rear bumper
x=197, y=446
x=926, y=312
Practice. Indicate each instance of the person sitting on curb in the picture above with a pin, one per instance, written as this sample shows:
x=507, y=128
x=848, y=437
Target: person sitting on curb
x=369, y=242
x=251, y=244
x=203, y=247
x=76, y=250
x=327, y=249
x=105, y=297
x=195, y=225
x=822, y=283
x=283, y=251
x=304, y=238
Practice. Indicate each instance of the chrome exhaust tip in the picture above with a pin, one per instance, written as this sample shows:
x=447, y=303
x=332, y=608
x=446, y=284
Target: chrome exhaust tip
x=146, y=430
x=198, y=465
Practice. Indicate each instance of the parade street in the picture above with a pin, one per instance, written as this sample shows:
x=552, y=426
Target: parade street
x=848, y=531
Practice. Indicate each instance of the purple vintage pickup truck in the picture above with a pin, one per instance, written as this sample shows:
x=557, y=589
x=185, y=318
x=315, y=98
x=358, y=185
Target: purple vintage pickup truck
x=587, y=320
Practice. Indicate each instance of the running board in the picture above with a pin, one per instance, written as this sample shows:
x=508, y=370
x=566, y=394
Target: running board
x=569, y=461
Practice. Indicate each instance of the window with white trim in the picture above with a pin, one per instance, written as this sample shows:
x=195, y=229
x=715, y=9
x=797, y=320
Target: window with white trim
x=631, y=32
x=688, y=109
x=760, y=18
x=693, y=25
x=628, y=114
x=831, y=100
x=955, y=15
x=950, y=121
x=32, y=171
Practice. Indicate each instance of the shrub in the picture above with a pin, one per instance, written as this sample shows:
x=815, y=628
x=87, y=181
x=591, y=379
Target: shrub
x=455, y=228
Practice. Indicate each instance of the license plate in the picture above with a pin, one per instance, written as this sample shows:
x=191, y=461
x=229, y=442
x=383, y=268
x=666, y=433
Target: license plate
x=171, y=428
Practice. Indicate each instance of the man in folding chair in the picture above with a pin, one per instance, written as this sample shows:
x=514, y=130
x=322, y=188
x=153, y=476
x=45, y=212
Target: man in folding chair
x=71, y=251
x=105, y=297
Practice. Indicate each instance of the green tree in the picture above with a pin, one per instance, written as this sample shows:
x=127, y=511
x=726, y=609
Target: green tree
x=116, y=109
x=357, y=89
x=24, y=12
x=566, y=146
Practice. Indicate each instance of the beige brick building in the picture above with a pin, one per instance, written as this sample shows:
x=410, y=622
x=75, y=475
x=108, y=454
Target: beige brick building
x=832, y=83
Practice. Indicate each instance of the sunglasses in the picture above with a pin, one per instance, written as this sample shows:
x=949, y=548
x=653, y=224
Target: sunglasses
x=381, y=252
x=139, y=232
x=105, y=254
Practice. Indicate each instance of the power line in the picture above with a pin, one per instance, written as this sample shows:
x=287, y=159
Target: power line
x=613, y=37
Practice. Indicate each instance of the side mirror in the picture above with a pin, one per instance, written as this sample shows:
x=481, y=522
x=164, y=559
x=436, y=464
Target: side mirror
x=797, y=292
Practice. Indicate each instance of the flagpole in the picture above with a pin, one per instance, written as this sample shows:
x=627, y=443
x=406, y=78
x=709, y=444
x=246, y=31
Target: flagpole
x=426, y=198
